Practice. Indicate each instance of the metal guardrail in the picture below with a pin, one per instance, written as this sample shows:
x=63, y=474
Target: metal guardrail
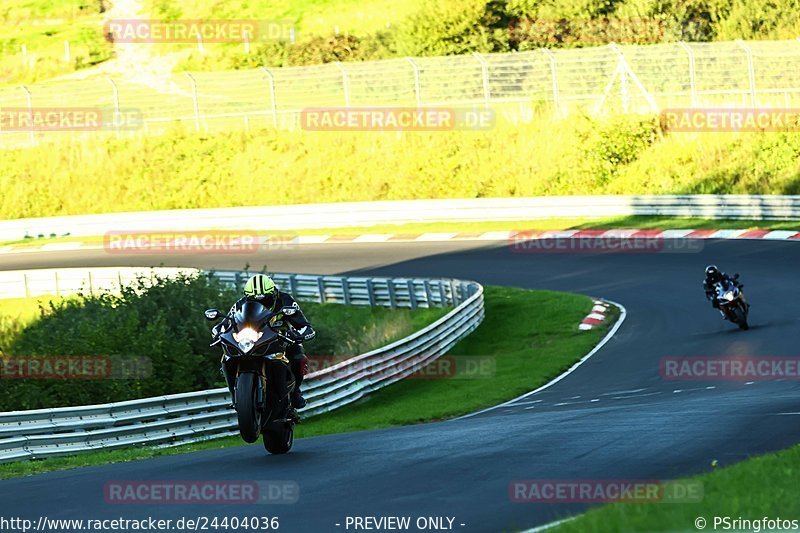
x=186, y=417
x=295, y=217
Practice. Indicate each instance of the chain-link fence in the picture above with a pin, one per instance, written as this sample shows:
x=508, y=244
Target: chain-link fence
x=605, y=79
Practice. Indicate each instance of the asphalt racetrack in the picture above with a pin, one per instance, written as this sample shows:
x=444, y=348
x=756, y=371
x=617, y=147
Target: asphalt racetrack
x=615, y=417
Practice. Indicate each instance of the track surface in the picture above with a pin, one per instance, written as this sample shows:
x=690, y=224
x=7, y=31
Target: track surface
x=639, y=426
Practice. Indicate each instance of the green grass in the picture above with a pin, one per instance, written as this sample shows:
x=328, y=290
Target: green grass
x=761, y=486
x=43, y=26
x=181, y=169
x=538, y=349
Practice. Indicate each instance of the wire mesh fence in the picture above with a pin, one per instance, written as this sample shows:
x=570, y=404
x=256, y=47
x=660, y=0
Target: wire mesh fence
x=598, y=80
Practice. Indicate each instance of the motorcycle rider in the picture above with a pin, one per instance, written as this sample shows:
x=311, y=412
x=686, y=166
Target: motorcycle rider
x=713, y=276
x=261, y=288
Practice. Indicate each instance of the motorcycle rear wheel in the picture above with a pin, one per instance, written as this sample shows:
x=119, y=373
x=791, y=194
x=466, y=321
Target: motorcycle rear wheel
x=278, y=441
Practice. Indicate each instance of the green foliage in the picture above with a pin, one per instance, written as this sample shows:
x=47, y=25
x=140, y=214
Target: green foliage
x=449, y=27
x=580, y=155
x=162, y=322
x=158, y=326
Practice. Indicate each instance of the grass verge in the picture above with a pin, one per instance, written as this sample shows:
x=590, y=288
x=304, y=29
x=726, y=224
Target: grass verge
x=727, y=492
x=544, y=345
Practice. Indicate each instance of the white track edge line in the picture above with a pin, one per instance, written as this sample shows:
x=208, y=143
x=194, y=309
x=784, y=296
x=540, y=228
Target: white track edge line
x=623, y=314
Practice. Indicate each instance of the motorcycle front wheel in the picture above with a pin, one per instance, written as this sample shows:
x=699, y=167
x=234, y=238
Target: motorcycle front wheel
x=247, y=411
x=741, y=318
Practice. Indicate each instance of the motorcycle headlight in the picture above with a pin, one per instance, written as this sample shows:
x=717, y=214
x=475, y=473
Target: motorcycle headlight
x=729, y=296
x=247, y=338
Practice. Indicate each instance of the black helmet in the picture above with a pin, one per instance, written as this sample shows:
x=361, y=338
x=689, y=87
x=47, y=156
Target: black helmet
x=712, y=271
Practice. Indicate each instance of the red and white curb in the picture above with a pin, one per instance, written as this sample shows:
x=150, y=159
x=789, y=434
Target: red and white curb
x=278, y=241
x=596, y=317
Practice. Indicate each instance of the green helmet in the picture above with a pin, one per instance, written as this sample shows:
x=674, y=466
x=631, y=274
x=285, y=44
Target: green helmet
x=261, y=286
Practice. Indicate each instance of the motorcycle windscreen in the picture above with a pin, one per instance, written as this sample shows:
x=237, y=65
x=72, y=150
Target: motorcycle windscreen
x=251, y=314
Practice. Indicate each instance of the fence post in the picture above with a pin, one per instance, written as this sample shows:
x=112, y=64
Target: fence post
x=271, y=79
x=623, y=74
x=194, y=101
x=25, y=284
x=484, y=76
x=417, y=86
x=751, y=72
x=116, y=102
x=345, y=83
x=553, y=74
x=56, y=277
x=29, y=99
x=692, y=74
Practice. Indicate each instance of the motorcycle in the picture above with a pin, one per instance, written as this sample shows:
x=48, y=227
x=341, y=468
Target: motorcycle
x=731, y=302
x=255, y=353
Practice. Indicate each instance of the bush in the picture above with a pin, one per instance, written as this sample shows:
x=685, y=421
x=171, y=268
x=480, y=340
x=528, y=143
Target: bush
x=162, y=322
x=159, y=326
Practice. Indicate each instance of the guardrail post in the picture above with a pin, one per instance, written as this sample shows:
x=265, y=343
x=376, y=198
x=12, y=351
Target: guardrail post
x=371, y=292
x=271, y=79
x=346, y=291
x=91, y=285
x=29, y=99
x=428, y=296
x=392, y=296
x=412, y=295
x=195, y=103
x=692, y=73
x=237, y=279
x=751, y=72
x=292, y=284
x=321, y=289
x=345, y=83
x=554, y=80
x=442, y=294
x=25, y=285
x=56, y=277
x=485, y=76
x=417, y=86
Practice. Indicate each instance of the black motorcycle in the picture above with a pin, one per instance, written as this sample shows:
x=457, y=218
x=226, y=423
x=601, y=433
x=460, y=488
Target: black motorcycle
x=255, y=353
x=731, y=302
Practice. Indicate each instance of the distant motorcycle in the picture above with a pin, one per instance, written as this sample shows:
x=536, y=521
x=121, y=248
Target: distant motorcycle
x=731, y=302
x=255, y=354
